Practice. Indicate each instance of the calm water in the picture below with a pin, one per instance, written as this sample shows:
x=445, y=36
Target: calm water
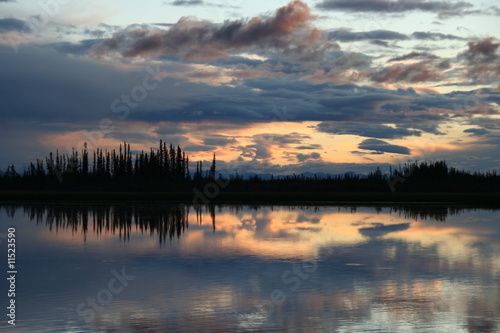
x=156, y=268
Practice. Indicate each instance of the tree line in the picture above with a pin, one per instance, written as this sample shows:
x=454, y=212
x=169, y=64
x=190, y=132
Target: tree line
x=167, y=168
x=163, y=164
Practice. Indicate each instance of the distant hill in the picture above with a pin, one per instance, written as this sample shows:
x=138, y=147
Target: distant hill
x=268, y=176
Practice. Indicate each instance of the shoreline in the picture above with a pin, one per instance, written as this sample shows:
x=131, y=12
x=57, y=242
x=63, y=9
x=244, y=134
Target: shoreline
x=489, y=200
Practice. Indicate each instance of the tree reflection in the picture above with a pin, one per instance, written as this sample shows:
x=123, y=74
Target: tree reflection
x=170, y=220
x=167, y=221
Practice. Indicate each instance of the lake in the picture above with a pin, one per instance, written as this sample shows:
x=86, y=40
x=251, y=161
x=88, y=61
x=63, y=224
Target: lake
x=139, y=267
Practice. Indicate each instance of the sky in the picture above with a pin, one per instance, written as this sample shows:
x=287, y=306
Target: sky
x=282, y=87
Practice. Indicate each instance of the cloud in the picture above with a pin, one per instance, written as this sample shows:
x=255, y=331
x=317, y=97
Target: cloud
x=434, y=36
x=371, y=112
x=491, y=10
x=219, y=140
x=263, y=144
x=477, y=131
x=483, y=60
x=482, y=51
x=255, y=152
x=350, y=60
x=366, y=130
x=79, y=48
x=12, y=24
x=344, y=35
x=306, y=157
x=165, y=128
x=415, y=55
x=443, y=8
x=380, y=43
x=54, y=91
x=280, y=140
x=383, y=146
x=358, y=104
x=397, y=6
x=445, y=64
x=192, y=3
x=187, y=3
x=310, y=147
x=414, y=73
x=380, y=229
x=198, y=148
x=365, y=153
x=288, y=31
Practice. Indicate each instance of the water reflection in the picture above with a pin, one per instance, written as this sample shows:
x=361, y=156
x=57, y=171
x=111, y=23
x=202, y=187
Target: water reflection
x=171, y=220
x=166, y=221
x=259, y=268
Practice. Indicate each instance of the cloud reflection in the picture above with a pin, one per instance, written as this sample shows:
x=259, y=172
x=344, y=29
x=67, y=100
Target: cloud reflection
x=390, y=268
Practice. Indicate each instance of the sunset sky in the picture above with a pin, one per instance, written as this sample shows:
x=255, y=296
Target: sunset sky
x=270, y=86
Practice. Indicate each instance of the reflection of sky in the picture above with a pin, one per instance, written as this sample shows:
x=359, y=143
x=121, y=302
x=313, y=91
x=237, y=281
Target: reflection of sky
x=414, y=273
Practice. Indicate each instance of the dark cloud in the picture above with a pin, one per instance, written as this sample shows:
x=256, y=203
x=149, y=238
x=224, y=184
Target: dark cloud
x=397, y=6
x=477, y=131
x=170, y=129
x=383, y=146
x=380, y=43
x=482, y=51
x=310, y=147
x=196, y=148
x=79, y=48
x=192, y=3
x=280, y=140
x=365, y=153
x=445, y=64
x=55, y=95
x=415, y=55
x=434, y=36
x=253, y=101
x=219, y=140
x=356, y=105
x=168, y=25
x=12, y=24
x=483, y=60
x=306, y=157
x=255, y=152
x=350, y=60
x=344, y=35
x=238, y=60
x=263, y=144
x=97, y=33
x=380, y=229
x=288, y=31
x=187, y=3
x=491, y=10
x=366, y=130
x=418, y=72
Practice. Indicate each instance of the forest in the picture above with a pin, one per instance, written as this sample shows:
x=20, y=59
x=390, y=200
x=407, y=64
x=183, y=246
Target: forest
x=167, y=168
